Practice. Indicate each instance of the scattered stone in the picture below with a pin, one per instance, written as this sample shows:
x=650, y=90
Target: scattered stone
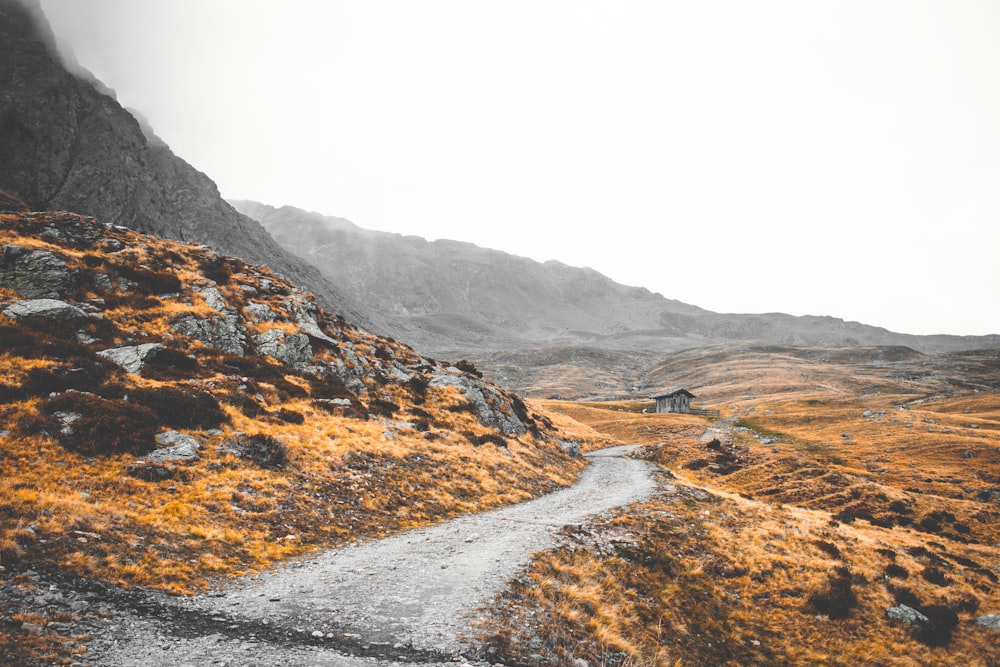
x=260, y=312
x=49, y=308
x=293, y=350
x=907, y=615
x=175, y=446
x=991, y=621
x=571, y=448
x=213, y=297
x=132, y=357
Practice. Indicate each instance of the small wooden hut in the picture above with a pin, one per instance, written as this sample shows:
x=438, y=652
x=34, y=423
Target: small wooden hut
x=676, y=400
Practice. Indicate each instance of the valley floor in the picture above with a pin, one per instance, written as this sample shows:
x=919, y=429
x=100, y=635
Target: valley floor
x=768, y=544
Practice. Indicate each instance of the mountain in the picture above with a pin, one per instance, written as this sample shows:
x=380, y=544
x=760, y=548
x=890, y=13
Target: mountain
x=447, y=295
x=543, y=328
x=68, y=145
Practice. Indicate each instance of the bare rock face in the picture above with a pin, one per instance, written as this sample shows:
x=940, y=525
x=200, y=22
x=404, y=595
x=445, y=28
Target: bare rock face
x=68, y=145
x=34, y=273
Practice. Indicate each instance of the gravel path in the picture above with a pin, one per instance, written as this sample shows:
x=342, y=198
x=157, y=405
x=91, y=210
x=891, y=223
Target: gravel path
x=411, y=597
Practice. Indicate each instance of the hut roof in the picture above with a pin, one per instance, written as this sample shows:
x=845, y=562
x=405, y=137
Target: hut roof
x=672, y=392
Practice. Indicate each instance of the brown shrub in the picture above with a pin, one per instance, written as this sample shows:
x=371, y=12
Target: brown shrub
x=896, y=571
x=87, y=376
x=942, y=622
x=181, y=409
x=290, y=416
x=131, y=300
x=104, y=426
x=149, y=282
x=828, y=548
x=492, y=438
x=264, y=450
x=151, y=472
x=170, y=364
x=382, y=408
x=836, y=599
x=936, y=576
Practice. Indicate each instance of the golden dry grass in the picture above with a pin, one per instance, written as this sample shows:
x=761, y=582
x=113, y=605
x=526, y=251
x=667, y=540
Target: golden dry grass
x=783, y=542
x=346, y=475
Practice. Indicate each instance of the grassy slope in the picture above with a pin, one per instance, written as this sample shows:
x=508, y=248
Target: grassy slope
x=785, y=542
x=397, y=453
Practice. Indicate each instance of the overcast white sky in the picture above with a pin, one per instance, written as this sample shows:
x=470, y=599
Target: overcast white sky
x=824, y=158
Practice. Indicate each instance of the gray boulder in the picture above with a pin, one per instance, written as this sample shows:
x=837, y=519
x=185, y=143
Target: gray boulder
x=259, y=312
x=991, y=621
x=73, y=230
x=907, y=615
x=572, y=448
x=293, y=350
x=304, y=313
x=224, y=333
x=174, y=446
x=132, y=357
x=492, y=408
x=36, y=274
x=51, y=308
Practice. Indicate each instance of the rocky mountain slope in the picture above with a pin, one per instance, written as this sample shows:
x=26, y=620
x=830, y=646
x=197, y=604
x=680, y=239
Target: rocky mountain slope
x=68, y=145
x=170, y=415
x=448, y=295
x=543, y=328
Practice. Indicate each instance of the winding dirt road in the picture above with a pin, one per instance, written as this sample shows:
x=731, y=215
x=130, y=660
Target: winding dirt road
x=410, y=597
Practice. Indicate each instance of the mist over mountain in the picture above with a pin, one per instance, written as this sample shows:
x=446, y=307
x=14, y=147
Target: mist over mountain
x=449, y=295
x=68, y=145
x=545, y=328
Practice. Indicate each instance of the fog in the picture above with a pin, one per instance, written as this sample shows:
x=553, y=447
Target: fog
x=812, y=158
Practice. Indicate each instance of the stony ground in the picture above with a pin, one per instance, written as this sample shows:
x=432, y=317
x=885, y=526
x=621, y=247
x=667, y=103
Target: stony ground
x=409, y=599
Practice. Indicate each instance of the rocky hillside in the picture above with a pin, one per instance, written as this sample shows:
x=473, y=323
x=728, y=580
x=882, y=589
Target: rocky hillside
x=68, y=145
x=546, y=329
x=446, y=296
x=170, y=415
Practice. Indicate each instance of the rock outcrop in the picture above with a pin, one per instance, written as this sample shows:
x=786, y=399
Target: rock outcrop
x=34, y=273
x=244, y=321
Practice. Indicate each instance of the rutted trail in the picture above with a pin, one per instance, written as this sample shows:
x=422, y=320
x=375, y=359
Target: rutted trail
x=417, y=590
